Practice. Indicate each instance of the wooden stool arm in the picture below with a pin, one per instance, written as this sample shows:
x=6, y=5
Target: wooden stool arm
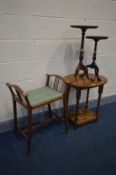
x=18, y=94
x=17, y=89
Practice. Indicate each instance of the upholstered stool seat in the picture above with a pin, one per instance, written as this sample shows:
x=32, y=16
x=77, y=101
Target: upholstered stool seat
x=41, y=96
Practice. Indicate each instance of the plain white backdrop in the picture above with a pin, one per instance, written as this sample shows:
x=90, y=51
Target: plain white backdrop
x=36, y=38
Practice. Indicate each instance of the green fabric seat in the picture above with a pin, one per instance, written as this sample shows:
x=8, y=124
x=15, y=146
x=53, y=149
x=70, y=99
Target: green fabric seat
x=43, y=95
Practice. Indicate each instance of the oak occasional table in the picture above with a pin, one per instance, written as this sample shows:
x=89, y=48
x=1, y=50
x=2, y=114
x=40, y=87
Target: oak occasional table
x=85, y=115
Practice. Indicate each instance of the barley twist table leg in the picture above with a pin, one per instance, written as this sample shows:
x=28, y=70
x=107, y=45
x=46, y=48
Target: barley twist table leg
x=100, y=90
x=78, y=96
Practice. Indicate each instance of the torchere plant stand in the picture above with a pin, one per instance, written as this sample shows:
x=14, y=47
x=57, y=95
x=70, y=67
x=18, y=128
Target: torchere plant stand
x=81, y=66
x=93, y=65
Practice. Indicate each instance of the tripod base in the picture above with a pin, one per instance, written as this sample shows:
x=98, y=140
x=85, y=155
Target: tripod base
x=81, y=67
x=96, y=69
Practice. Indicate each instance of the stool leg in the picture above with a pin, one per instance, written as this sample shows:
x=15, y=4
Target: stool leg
x=49, y=111
x=15, y=116
x=29, y=134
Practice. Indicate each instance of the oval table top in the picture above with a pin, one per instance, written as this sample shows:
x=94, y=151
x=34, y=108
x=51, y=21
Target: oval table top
x=84, y=82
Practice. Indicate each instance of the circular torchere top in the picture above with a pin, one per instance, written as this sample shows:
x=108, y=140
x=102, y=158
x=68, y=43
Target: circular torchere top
x=84, y=26
x=96, y=38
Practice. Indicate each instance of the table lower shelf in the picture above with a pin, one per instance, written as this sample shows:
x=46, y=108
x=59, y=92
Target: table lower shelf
x=84, y=116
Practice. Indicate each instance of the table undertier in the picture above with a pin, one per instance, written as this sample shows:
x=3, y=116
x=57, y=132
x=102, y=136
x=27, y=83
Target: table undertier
x=84, y=116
